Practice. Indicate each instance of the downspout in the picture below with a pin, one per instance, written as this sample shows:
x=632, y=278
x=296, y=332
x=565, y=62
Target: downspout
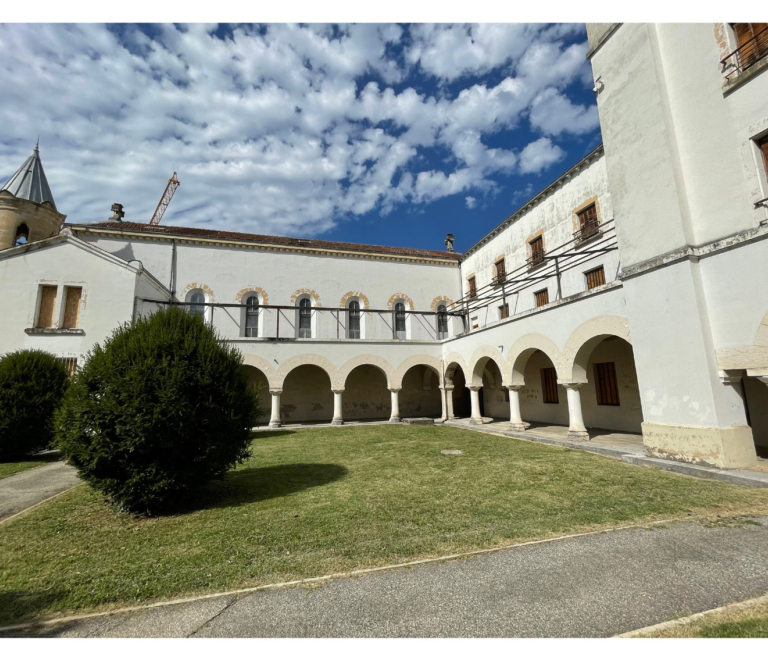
x=172, y=286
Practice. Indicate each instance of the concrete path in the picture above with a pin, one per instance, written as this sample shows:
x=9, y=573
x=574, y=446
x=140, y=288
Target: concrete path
x=25, y=489
x=595, y=585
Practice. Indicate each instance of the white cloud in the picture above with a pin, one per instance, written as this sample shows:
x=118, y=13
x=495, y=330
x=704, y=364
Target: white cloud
x=471, y=202
x=268, y=128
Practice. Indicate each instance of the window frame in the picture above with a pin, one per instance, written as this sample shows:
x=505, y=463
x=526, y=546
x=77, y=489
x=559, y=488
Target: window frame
x=536, y=257
x=249, y=314
x=500, y=270
x=197, y=307
x=606, y=384
x=351, y=311
x=65, y=323
x=537, y=297
x=442, y=321
x=594, y=271
x=503, y=311
x=549, y=393
x=399, y=317
x=41, y=299
x=304, y=318
x=472, y=284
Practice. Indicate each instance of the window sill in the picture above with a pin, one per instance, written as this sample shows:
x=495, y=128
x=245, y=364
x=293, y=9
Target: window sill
x=743, y=78
x=54, y=331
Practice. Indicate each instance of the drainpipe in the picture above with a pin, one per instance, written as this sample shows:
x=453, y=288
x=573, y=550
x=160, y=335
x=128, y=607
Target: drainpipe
x=172, y=286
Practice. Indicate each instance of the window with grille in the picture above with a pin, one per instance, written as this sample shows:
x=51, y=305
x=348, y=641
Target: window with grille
x=501, y=271
x=606, y=384
x=70, y=364
x=542, y=297
x=305, y=318
x=472, y=287
x=400, y=321
x=595, y=277
x=442, y=322
x=252, y=316
x=47, y=306
x=72, y=307
x=537, y=251
x=353, y=321
x=504, y=311
x=587, y=222
x=549, y=385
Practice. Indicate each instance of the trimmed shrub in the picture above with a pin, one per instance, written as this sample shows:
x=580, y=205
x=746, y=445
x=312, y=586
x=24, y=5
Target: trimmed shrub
x=32, y=384
x=157, y=412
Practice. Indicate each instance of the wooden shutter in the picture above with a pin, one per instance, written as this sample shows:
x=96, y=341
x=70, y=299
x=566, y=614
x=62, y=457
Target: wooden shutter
x=542, y=297
x=588, y=216
x=472, y=287
x=501, y=270
x=47, y=306
x=607, y=385
x=503, y=311
x=72, y=306
x=595, y=277
x=750, y=51
x=537, y=247
x=549, y=385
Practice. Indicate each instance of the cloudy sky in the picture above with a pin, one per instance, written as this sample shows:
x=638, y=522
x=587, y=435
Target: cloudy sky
x=381, y=134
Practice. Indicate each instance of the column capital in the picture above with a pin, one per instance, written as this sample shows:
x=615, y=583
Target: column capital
x=515, y=388
x=571, y=386
x=338, y=391
x=446, y=387
x=730, y=376
x=274, y=392
x=474, y=388
x=394, y=389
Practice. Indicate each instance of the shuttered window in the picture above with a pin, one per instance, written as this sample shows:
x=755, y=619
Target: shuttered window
x=549, y=385
x=542, y=297
x=587, y=222
x=606, y=384
x=504, y=311
x=47, y=305
x=537, y=251
x=72, y=306
x=501, y=271
x=595, y=277
x=753, y=42
x=472, y=287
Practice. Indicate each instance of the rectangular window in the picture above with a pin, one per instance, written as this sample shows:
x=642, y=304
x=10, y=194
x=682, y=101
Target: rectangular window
x=753, y=43
x=587, y=222
x=595, y=278
x=72, y=307
x=47, y=306
x=607, y=385
x=537, y=251
x=549, y=385
x=472, y=287
x=501, y=271
x=542, y=297
x=763, y=145
x=504, y=311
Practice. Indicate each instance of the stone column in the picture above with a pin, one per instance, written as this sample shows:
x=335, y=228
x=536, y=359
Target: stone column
x=448, y=402
x=576, y=428
x=338, y=417
x=476, y=418
x=515, y=418
x=394, y=416
x=274, y=421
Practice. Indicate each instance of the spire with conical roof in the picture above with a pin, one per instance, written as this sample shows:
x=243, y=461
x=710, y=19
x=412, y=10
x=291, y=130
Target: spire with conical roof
x=29, y=182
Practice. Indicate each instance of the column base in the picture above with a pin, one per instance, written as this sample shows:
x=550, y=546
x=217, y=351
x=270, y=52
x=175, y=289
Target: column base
x=337, y=422
x=578, y=435
x=275, y=425
x=395, y=420
x=476, y=422
x=514, y=426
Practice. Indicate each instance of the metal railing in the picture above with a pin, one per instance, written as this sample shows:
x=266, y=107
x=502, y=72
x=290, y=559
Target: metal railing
x=746, y=55
x=536, y=259
x=586, y=232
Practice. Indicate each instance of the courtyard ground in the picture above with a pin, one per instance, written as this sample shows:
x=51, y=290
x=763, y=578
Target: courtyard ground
x=320, y=501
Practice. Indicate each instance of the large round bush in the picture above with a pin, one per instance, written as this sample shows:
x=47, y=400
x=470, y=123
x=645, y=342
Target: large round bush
x=32, y=384
x=157, y=412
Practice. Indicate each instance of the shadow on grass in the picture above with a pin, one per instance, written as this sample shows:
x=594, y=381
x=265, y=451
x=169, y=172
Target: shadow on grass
x=257, y=484
x=263, y=435
x=20, y=605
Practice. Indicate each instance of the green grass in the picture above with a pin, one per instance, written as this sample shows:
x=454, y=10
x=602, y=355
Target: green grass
x=751, y=621
x=7, y=469
x=320, y=501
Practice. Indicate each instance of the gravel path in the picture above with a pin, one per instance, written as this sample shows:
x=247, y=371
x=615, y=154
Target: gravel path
x=25, y=489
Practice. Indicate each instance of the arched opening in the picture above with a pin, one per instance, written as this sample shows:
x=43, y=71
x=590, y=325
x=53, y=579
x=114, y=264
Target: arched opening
x=304, y=318
x=542, y=400
x=442, y=321
x=420, y=393
x=22, y=235
x=401, y=331
x=366, y=395
x=494, y=398
x=257, y=378
x=756, y=407
x=462, y=403
x=250, y=316
x=611, y=397
x=306, y=396
x=353, y=320
x=197, y=307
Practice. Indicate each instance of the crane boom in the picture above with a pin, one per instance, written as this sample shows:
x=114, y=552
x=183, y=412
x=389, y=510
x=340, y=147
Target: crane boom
x=173, y=183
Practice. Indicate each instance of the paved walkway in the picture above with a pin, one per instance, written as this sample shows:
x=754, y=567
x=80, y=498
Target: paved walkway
x=25, y=489
x=595, y=585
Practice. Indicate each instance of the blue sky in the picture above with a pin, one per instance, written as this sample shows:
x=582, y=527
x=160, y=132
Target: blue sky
x=386, y=134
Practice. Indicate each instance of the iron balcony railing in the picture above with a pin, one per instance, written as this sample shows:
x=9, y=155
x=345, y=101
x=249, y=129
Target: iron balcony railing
x=746, y=55
x=586, y=232
x=536, y=259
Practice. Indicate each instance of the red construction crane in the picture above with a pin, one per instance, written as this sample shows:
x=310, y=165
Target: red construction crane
x=173, y=183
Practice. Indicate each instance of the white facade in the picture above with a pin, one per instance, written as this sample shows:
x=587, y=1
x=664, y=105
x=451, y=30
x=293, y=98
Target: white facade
x=668, y=339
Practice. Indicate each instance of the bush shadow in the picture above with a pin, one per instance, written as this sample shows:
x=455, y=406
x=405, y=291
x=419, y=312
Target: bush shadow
x=258, y=484
x=262, y=435
x=17, y=606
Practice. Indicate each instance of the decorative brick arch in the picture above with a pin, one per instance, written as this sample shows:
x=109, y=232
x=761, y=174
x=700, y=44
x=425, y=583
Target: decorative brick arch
x=445, y=299
x=401, y=296
x=583, y=341
x=313, y=294
x=253, y=289
x=355, y=294
x=360, y=360
x=523, y=348
x=413, y=361
x=203, y=287
x=480, y=359
x=308, y=359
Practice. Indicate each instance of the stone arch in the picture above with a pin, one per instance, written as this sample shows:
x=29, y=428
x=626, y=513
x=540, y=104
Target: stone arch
x=308, y=359
x=203, y=287
x=427, y=360
x=452, y=361
x=374, y=360
x=265, y=367
x=479, y=361
x=583, y=341
x=442, y=299
x=355, y=294
x=312, y=294
x=253, y=289
x=393, y=299
x=523, y=348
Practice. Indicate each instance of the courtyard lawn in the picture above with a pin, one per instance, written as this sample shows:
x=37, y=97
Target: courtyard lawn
x=749, y=622
x=320, y=501
x=7, y=469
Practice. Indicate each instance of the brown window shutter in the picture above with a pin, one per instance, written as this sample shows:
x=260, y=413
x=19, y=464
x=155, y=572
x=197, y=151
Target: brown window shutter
x=72, y=306
x=542, y=297
x=47, y=306
x=595, y=278
x=472, y=287
x=607, y=386
x=763, y=144
x=549, y=385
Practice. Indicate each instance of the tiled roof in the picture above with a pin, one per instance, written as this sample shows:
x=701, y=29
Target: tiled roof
x=196, y=232
x=29, y=182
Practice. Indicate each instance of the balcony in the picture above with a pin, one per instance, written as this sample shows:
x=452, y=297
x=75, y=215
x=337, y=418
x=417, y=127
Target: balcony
x=745, y=56
x=588, y=231
x=499, y=279
x=535, y=260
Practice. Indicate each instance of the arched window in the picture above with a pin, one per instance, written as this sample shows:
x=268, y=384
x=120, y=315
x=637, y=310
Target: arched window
x=305, y=318
x=197, y=308
x=400, y=320
x=252, y=316
x=22, y=235
x=353, y=320
x=442, y=322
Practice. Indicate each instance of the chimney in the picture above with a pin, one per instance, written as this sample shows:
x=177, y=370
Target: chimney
x=117, y=213
x=449, y=239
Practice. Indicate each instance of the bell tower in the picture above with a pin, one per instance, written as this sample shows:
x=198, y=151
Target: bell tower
x=27, y=210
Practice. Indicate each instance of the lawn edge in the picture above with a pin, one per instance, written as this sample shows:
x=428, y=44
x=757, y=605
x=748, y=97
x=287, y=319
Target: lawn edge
x=38, y=504
x=682, y=621
x=331, y=576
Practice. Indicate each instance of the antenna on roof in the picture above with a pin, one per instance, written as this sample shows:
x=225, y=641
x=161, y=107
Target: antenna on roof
x=173, y=183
